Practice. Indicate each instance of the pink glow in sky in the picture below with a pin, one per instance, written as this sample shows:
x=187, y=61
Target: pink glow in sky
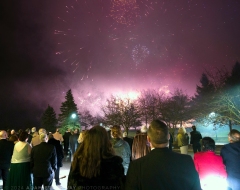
x=102, y=47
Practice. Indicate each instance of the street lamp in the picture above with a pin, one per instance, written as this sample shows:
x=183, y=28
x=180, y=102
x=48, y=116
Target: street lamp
x=74, y=115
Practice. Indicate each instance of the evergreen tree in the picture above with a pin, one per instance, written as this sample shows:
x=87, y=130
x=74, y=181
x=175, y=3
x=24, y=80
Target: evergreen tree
x=205, y=89
x=229, y=97
x=234, y=78
x=220, y=98
x=201, y=103
x=49, y=120
x=69, y=118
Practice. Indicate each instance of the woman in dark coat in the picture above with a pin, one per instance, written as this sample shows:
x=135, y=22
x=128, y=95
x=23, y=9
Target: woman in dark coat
x=94, y=164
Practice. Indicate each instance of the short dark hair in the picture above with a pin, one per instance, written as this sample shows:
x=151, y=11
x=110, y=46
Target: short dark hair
x=116, y=131
x=50, y=136
x=208, y=144
x=234, y=135
x=158, y=132
x=23, y=136
x=194, y=127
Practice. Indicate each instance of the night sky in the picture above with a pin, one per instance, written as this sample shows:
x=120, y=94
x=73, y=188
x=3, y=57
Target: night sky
x=102, y=47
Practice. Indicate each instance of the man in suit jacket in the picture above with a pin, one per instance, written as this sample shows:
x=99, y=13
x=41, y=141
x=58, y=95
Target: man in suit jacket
x=60, y=156
x=6, y=151
x=43, y=163
x=162, y=168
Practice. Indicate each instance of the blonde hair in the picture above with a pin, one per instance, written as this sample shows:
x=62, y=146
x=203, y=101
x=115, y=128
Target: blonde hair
x=43, y=137
x=81, y=136
x=182, y=130
x=42, y=131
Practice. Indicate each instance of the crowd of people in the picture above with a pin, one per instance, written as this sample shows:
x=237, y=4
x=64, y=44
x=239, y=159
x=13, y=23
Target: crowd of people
x=102, y=159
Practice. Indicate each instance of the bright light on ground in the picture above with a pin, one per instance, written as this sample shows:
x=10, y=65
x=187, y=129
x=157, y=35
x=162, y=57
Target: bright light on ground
x=214, y=182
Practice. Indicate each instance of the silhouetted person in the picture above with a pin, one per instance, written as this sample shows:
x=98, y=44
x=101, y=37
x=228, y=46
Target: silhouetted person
x=231, y=158
x=29, y=135
x=162, y=168
x=43, y=163
x=170, y=142
x=60, y=156
x=66, y=141
x=6, y=151
x=73, y=142
x=129, y=141
x=195, y=138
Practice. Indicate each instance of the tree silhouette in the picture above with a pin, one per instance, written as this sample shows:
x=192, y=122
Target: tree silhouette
x=69, y=118
x=49, y=119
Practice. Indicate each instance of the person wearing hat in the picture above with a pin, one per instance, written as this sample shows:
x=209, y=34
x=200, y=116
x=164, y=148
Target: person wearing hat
x=195, y=138
x=140, y=146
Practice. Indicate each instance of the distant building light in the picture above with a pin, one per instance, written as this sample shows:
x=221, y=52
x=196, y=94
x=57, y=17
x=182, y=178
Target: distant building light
x=212, y=114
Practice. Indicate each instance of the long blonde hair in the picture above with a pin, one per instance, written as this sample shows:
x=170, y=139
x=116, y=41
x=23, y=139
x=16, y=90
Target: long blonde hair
x=95, y=147
x=182, y=130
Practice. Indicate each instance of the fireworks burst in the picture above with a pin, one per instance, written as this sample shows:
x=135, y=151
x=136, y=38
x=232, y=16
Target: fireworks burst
x=79, y=25
x=124, y=11
x=139, y=53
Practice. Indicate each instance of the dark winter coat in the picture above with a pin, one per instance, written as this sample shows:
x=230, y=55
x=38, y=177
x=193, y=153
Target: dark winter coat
x=231, y=158
x=6, y=151
x=163, y=169
x=111, y=176
x=73, y=142
x=59, y=150
x=195, y=138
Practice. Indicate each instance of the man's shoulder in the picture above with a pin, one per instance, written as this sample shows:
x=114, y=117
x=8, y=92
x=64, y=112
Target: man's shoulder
x=5, y=142
x=157, y=154
x=168, y=153
x=195, y=133
x=43, y=145
x=231, y=147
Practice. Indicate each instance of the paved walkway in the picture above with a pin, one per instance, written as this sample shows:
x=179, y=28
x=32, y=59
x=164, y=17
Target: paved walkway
x=64, y=171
